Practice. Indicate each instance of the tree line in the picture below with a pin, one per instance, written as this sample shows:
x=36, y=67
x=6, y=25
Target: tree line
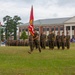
x=10, y=25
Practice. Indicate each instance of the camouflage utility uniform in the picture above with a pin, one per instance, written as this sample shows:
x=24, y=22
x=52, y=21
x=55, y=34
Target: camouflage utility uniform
x=68, y=41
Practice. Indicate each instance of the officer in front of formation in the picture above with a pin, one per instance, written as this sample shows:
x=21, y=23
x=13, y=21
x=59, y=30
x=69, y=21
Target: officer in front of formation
x=36, y=40
x=58, y=40
x=63, y=40
x=43, y=40
x=68, y=41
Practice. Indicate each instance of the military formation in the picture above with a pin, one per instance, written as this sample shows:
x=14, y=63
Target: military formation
x=39, y=41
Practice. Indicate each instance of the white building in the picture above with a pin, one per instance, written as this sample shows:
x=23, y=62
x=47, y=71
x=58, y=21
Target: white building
x=55, y=24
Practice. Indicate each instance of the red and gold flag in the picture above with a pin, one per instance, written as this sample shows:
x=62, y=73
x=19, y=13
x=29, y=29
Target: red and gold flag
x=31, y=26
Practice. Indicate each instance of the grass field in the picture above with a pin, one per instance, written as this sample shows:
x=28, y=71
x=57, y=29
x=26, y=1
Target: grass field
x=17, y=61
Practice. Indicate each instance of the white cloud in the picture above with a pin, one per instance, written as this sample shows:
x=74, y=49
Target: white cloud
x=42, y=8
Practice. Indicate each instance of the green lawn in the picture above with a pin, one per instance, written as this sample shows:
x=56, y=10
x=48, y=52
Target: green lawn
x=17, y=61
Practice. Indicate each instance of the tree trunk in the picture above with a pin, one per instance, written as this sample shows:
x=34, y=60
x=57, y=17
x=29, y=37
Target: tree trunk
x=6, y=36
x=15, y=33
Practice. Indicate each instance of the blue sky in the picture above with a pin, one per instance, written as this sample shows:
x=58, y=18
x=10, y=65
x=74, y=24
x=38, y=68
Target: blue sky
x=42, y=8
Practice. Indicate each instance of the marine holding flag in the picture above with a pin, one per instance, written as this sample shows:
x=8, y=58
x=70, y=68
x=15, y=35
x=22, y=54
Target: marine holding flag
x=33, y=38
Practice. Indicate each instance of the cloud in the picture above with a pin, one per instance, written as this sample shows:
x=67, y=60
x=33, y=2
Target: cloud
x=66, y=3
x=42, y=8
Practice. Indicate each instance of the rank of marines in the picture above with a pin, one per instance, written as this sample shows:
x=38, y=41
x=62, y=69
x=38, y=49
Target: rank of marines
x=40, y=41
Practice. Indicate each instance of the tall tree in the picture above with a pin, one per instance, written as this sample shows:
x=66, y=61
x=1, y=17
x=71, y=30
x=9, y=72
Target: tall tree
x=11, y=26
x=6, y=21
x=16, y=20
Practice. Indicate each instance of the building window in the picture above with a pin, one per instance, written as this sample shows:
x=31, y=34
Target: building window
x=61, y=28
x=19, y=30
x=56, y=29
x=22, y=29
x=26, y=29
x=52, y=29
x=37, y=29
x=72, y=36
x=73, y=27
x=44, y=29
x=68, y=28
x=47, y=29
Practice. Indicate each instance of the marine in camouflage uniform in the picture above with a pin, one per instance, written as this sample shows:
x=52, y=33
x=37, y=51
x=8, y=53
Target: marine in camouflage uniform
x=52, y=40
x=58, y=40
x=49, y=40
x=36, y=40
x=63, y=40
x=43, y=40
x=67, y=41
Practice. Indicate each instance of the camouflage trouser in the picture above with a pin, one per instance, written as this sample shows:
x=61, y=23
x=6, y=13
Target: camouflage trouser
x=37, y=44
x=43, y=44
x=52, y=44
x=49, y=44
x=67, y=44
x=58, y=44
x=63, y=45
x=31, y=46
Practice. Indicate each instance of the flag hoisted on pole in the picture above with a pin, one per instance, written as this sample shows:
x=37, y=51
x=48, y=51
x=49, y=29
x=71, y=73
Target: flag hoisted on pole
x=31, y=26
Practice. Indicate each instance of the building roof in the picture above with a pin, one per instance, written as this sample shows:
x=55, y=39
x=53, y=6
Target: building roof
x=53, y=21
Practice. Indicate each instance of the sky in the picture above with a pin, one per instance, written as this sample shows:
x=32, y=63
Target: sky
x=43, y=9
